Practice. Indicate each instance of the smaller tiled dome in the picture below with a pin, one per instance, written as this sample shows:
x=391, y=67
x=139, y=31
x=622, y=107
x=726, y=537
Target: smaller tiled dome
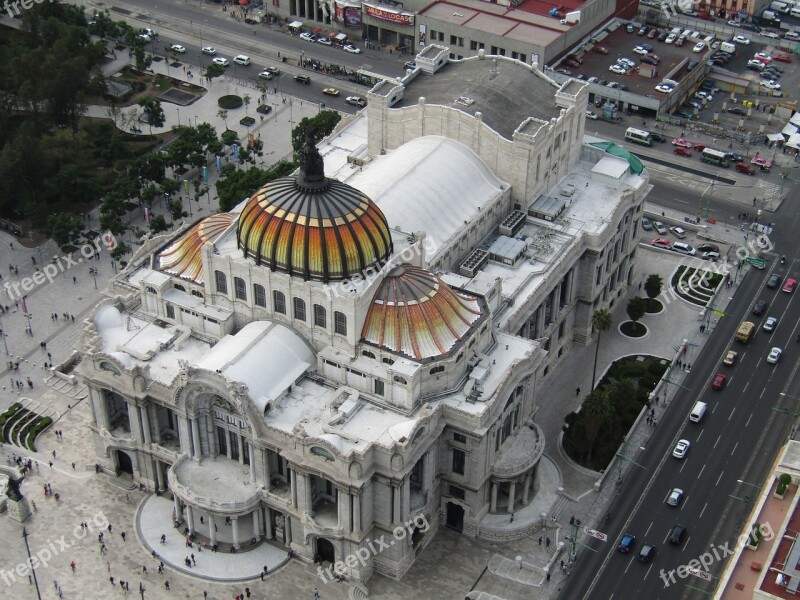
x=183, y=257
x=416, y=314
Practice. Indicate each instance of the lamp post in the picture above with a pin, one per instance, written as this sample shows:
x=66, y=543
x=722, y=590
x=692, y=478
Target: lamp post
x=30, y=562
x=179, y=117
x=753, y=485
x=3, y=333
x=93, y=273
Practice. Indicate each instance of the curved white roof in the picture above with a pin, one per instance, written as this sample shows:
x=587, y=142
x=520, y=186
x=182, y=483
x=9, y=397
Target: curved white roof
x=430, y=184
x=108, y=317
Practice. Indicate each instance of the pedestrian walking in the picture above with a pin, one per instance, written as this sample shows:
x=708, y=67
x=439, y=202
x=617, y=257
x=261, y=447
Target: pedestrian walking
x=166, y=584
x=163, y=538
x=577, y=391
x=540, y=540
x=547, y=543
x=144, y=570
x=54, y=453
x=123, y=536
x=111, y=579
x=316, y=594
x=75, y=281
x=72, y=566
x=194, y=562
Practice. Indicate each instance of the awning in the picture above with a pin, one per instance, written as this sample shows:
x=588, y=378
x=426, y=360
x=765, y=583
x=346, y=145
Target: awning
x=296, y=24
x=775, y=137
x=341, y=37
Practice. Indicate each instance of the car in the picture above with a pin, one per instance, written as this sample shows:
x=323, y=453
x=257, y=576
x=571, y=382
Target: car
x=661, y=243
x=682, y=142
x=148, y=32
x=647, y=553
x=755, y=65
x=730, y=358
x=735, y=157
x=356, y=100
x=792, y=35
x=324, y=41
x=679, y=232
x=684, y=248
x=644, y=29
x=410, y=64
x=178, y=48
x=784, y=58
x=771, y=85
x=629, y=28
x=763, y=55
x=761, y=161
x=664, y=88
x=222, y=62
x=626, y=61
x=657, y=137
x=699, y=47
x=774, y=356
x=662, y=37
x=210, y=50
x=760, y=307
x=735, y=23
x=681, y=151
x=650, y=59
x=600, y=49
x=719, y=382
x=591, y=115
x=675, y=497
x=789, y=286
x=618, y=69
x=707, y=248
x=640, y=50
x=711, y=256
x=774, y=280
x=660, y=228
x=681, y=448
x=770, y=74
x=241, y=59
x=652, y=34
x=692, y=64
x=670, y=38
x=682, y=114
x=770, y=324
x=680, y=41
x=612, y=84
x=676, y=534
x=265, y=75
x=737, y=110
x=309, y=37
x=741, y=39
x=302, y=79
x=699, y=147
x=331, y=91
x=351, y=49
x=626, y=543
x=144, y=36
x=647, y=224
x=771, y=34
x=707, y=96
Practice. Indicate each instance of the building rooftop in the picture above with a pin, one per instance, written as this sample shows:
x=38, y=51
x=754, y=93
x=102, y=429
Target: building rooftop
x=500, y=89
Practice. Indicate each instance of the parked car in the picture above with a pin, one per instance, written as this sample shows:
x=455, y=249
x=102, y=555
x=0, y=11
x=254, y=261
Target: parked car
x=745, y=168
x=309, y=37
x=711, y=256
x=600, y=49
x=784, y=58
x=662, y=37
x=661, y=243
x=591, y=115
x=681, y=151
x=324, y=41
x=650, y=59
x=664, y=88
x=618, y=69
x=774, y=355
x=699, y=47
x=737, y=110
x=647, y=224
x=741, y=39
x=680, y=41
x=671, y=38
x=660, y=227
x=652, y=33
x=771, y=85
x=679, y=232
x=707, y=248
x=719, y=382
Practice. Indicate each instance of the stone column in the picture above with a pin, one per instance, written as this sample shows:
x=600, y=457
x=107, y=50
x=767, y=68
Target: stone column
x=212, y=529
x=183, y=434
x=190, y=518
x=195, y=439
x=406, y=508
x=152, y=414
x=267, y=474
x=145, y=417
x=240, y=442
x=539, y=322
x=252, y=462
x=493, y=504
x=177, y=508
x=511, y=492
x=292, y=487
x=526, y=489
x=162, y=483
x=288, y=529
x=342, y=509
x=101, y=411
x=133, y=417
x=228, y=447
x=309, y=496
x=268, y=522
x=396, y=516
x=256, y=524
x=356, y=512
x=235, y=527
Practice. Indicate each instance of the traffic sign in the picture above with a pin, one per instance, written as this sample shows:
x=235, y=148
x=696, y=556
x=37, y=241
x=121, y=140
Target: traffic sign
x=758, y=263
x=598, y=535
x=704, y=575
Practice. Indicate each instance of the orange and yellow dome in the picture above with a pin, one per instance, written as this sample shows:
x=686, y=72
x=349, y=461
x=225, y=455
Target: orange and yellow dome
x=183, y=258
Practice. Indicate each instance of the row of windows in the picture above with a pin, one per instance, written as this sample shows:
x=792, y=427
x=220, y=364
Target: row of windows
x=279, y=302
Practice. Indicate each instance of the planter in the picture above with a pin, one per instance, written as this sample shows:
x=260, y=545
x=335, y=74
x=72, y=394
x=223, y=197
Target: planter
x=633, y=330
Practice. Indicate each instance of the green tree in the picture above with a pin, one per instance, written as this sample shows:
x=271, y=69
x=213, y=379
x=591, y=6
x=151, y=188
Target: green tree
x=316, y=127
x=235, y=185
x=653, y=286
x=223, y=114
x=214, y=70
x=65, y=230
x=155, y=113
x=158, y=224
x=595, y=410
x=246, y=99
x=601, y=321
x=636, y=308
x=176, y=210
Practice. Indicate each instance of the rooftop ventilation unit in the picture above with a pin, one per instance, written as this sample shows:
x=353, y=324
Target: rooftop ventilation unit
x=512, y=223
x=474, y=263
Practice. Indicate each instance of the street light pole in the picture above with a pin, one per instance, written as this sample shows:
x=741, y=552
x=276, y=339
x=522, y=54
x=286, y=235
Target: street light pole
x=30, y=562
x=3, y=333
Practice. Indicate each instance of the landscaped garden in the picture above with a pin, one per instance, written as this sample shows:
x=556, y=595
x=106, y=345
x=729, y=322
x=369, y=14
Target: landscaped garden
x=695, y=285
x=20, y=426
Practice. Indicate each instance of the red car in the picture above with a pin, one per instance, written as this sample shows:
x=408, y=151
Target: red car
x=681, y=151
x=761, y=162
x=719, y=382
x=662, y=243
x=652, y=33
x=788, y=287
x=682, y=142
x=600, y=49
x=699, y=147
x=745, y=168
x=784, y=58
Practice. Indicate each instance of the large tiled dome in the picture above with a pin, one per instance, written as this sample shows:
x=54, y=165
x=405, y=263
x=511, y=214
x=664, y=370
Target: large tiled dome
x=313, y=227
x=416, y=314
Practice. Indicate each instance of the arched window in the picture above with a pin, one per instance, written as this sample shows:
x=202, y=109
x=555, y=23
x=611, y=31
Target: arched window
x=239, y=288
x=221, y=281
x=320, y=316
x=259, y=295
x=387, y=360
x=197, y=293
x=299, y=307
x=400, y=380
x=339, y=323
x=279, y=302
x=150, y=289
x=368, y=354
x=436, y=370
x=178, y=286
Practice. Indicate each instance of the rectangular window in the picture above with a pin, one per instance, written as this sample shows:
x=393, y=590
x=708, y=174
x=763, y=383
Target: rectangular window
x=221, y=282
x=457, y=492
x=259, y=295
x=170, y=311
x=379, y=387
x=320, y=316
x=459, y=459
x=240, y=288
x=460, y=437
x=339, y=323
x=279, y=302
x=299, y=309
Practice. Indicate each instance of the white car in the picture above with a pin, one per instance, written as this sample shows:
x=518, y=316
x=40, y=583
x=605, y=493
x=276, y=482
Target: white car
x=356, y=101
x=681, y=448
x=222, y=62
x=670, y=38
x=144, y=36
x=792, y=35
x=679, y=232
x=626, y=61
x=618, y=69
x=663, y=88
x=763, y=55
x=774, y=356
x=324, y=41
x=265, y=75
x=705, y=96
x=178, y=48
x=740, y=39
x=771, y=85
x=675, y=496
x=641, y=50
x=770, y=324
x=699, y=47
x=351, y=49
x=309, y=37
x=591, y=115
x=735, y=23
x=241, y=59
x=210, y=50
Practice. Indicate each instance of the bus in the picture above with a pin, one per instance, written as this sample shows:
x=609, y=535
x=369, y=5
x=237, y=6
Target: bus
x=639, y=136
x=714, y=157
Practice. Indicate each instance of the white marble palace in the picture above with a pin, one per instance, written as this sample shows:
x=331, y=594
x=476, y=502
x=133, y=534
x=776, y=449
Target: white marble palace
x=357, y=347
